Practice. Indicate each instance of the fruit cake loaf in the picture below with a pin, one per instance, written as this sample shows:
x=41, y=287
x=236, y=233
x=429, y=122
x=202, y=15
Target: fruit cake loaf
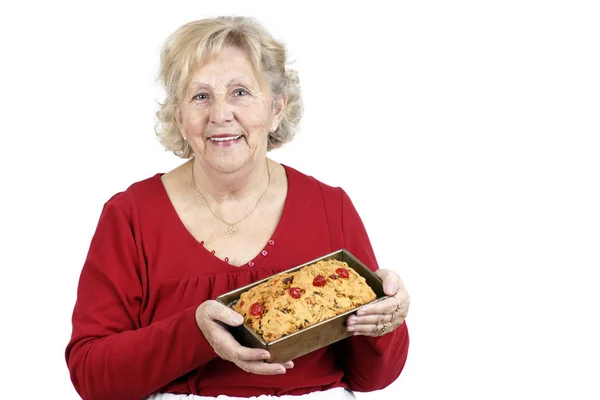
x=292, y=301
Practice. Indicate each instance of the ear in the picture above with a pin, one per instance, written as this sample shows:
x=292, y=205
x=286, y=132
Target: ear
x=278, y=109
x=179, y=121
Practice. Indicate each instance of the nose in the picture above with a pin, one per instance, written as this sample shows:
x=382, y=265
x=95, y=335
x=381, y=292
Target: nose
x=220, y=112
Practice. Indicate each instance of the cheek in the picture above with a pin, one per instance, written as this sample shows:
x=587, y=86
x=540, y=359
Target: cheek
x=192, y=121
x=257, y=118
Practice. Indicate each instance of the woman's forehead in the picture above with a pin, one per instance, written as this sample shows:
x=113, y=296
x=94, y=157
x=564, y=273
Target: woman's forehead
x=229, y=66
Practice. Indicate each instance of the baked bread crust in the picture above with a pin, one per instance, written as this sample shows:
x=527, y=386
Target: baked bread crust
x=289, y=302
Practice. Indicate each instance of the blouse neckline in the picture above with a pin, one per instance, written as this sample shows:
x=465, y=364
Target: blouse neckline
x=259, y=260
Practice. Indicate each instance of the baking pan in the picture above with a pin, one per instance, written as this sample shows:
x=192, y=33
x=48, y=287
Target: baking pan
x=313, y=337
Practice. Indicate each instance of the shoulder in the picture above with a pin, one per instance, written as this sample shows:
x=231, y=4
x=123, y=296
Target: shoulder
x=143, y=191
x=308, y=183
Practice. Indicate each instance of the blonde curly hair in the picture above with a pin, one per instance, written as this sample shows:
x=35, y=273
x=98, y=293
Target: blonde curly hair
x=184, y=50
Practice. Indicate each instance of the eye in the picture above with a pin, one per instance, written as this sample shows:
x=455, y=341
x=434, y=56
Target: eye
x=240, y=92
x=200, y=96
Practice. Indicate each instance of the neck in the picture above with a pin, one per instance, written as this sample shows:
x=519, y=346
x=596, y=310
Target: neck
x=224, y=187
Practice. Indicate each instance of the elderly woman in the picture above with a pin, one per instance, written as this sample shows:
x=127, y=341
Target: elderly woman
x=145, y=324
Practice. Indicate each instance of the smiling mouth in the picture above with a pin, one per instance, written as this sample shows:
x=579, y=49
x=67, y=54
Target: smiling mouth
x=225, y=139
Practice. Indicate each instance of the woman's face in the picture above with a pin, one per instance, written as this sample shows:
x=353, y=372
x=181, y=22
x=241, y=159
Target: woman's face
x=227, y=112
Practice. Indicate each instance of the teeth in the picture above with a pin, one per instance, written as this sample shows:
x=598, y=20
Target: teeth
x=225, y=139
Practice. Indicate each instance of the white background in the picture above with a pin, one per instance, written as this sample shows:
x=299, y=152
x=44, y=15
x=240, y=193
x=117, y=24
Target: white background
x=466, y=133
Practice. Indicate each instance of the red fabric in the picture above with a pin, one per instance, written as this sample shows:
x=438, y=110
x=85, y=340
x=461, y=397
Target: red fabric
x=134, y=330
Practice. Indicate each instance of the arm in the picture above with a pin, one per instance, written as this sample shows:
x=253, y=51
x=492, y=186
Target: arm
x=370, y=363
x=110, y=356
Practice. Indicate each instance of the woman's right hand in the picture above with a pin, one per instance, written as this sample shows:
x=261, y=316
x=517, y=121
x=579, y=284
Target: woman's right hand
x=226, y=347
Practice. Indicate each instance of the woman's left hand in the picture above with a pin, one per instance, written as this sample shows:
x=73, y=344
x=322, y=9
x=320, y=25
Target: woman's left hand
x=384, y=316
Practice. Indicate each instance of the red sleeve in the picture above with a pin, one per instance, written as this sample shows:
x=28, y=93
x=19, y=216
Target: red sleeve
x=369, y=363
x=110, y=356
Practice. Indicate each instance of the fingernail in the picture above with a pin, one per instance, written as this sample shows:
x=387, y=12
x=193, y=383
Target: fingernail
x=265, y=356
x=237, y=319
x=390, y=289
x=282, y=370
x=351, y=329
x=360, y=312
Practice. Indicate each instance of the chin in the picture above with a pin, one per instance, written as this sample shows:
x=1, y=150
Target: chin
x=233, y=161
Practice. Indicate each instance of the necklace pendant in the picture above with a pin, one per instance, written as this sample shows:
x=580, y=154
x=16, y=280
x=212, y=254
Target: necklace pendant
x=230, y=230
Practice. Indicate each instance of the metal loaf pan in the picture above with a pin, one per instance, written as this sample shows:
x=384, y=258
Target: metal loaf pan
x=314, y=337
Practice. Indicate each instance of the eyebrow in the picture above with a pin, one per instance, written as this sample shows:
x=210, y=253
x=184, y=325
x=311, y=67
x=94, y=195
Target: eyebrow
x=240, y=79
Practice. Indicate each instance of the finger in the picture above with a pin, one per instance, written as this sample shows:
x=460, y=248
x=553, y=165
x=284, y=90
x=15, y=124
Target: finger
x=372, y=329
x=403, y=303
x=365, y=330
x=242, y=353
x=228, y=348
x=219, y=312
x=288, y=365
x=375, y=319
x=261, y=368
x=386, y=306
x=391, y=281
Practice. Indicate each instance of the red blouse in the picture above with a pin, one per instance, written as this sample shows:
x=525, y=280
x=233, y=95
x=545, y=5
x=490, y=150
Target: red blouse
x=134, y=329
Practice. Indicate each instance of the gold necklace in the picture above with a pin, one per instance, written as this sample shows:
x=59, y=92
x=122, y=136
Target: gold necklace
x=231, y=226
